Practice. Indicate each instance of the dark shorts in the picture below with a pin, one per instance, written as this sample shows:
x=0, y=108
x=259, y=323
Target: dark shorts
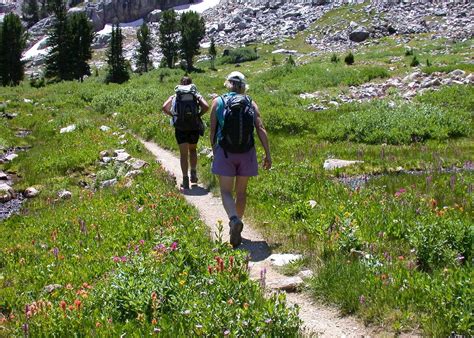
x=244, y=164
x=191, y=137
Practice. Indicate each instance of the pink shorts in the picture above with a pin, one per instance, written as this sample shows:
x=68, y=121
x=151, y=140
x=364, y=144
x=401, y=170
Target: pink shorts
x=241, y=164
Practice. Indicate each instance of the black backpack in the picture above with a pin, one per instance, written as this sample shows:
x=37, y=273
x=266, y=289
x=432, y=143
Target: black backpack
x=239, y=120
x=186, y=109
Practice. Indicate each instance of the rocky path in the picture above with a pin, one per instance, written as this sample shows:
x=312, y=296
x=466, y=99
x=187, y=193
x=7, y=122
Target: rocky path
x=318, y=319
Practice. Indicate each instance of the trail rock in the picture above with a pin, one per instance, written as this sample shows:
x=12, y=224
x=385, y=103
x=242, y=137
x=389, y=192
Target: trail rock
x=64, y=194
x=52, y=287
x=137, y=163
x=305, y=274
x=122, y=157
x=108, y=183
x=11, y=157
x=289, y=284
x=133, y=173
x=104, y=128
x=3, y=176
x=283, y=259
x=6, y=193
x=31, y=192
x=331, y=164
x=68, y=129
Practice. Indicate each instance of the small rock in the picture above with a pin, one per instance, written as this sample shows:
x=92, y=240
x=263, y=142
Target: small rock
x=330, y=164
x=11, y=157
x=30, y=192
x=64, y=194
x=312, y=203
x=283, y=259
x=68, y=129
x=122, y=157
x=289, y=284
x=27, y=101
x=457, y=72
x=51, y=287
x=3, y=176
x=137, y=163
x=108, y=183
x=104, y=128
x=305, y=274
x=133, y=173
x=103, y=153
x=6, y=193
x=107, y=159
x=118, y=151
x=123, y=142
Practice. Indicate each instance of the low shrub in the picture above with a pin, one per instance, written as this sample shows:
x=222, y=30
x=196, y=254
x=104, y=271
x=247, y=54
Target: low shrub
x=414, y=62
x=403, y=124
x=349, y=59
x=239, y=55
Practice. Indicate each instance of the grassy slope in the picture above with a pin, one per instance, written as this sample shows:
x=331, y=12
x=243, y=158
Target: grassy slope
x=109, y=250
x=343, y=220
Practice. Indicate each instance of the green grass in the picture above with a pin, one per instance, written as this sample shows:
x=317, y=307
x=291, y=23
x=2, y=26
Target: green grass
x=390, y=252
x=112, y=250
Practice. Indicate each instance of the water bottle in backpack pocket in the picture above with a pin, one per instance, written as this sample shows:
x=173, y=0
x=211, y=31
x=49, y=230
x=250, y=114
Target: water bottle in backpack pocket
x=186, y=109
x=239, y=120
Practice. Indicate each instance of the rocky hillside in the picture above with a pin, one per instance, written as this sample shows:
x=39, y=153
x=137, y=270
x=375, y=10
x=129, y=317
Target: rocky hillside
x=327, y=25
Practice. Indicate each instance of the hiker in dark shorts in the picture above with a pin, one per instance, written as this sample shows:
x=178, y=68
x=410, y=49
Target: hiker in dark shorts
x=234, y=116
x=186, y=118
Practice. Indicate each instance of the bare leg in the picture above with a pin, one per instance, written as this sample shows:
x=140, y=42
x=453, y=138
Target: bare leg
x=183, y=158
x=193, y=156
x=241, y=194
x=226, y=184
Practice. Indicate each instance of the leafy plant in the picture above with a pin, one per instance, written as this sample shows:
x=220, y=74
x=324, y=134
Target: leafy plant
x=349, y=59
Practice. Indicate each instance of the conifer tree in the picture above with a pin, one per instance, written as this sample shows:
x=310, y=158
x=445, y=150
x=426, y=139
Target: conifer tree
x=117, y=72
x=143, y=57
x=213, y=53
x=30, y=12
x=192, y=29
x=169, y=36
x=58, y=61
x=12, y=44
x=81, y=34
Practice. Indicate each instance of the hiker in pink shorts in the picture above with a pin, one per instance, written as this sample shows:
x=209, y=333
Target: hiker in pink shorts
x=234, y=117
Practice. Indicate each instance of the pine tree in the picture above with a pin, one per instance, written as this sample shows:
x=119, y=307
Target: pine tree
x=213, y=53
x=81, y=34
x=12, y=44
x=58, y=61
x=30, y=12
x=117, y=72
x=169, y=36
x=192, y=29
x=143, y=57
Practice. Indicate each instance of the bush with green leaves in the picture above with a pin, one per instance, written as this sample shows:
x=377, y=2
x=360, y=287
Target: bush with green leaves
x=239, y=55
x=334, y=58
x=349, y=59
x=403, y=124
x=414, y=62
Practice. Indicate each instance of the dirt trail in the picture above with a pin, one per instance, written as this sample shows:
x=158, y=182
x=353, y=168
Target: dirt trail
x=319, y=320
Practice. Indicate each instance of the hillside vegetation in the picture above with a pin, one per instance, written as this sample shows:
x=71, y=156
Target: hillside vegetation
x=390, y=239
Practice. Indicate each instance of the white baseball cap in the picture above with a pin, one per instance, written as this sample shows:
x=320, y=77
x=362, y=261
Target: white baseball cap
x=236, y=77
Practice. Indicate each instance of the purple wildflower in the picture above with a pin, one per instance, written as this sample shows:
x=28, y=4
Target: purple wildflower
x=174, y=246
x=142, y=242
x=116, y=259
x=123, y=259
x=362, y=299
x=56, y=252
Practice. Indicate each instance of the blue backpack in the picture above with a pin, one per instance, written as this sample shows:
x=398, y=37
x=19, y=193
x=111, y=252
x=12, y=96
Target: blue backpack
x=239, y=124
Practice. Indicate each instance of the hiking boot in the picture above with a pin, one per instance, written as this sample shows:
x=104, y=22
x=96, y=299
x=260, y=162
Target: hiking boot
x=185, y=184
x=235, y=231
x=194, y=178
